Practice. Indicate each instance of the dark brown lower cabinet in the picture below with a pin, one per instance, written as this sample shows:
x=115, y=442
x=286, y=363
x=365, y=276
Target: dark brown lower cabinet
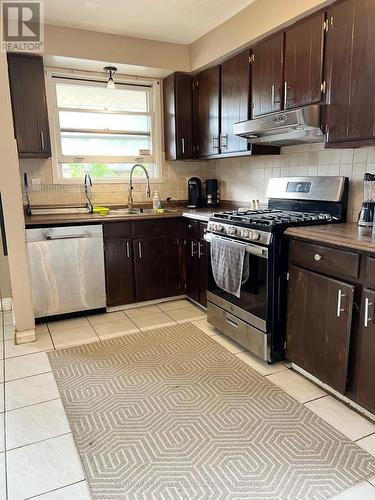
x=195, y=261
x=319, y=324
x=365, y=372
x=155, y=267
x=119, y=271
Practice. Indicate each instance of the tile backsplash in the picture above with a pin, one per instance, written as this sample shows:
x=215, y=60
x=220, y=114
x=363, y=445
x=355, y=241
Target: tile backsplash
x=241, y=179
x=246, y=178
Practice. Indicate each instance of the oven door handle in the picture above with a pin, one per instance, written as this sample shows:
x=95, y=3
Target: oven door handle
x=257, y=250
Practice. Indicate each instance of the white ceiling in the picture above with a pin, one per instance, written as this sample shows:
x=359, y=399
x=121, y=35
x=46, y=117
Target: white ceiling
x=180, y=21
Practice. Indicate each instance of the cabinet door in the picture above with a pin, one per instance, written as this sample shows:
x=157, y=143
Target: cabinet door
x=156, y=267
x=208, y=105
x=192, y=268
x=267, y=75
x=318, y=325
x=304, y=62
x=178, y=116
x=119, y=271
x=351, y=72
x=365, y=373
x=235, y=100
x=29, y=105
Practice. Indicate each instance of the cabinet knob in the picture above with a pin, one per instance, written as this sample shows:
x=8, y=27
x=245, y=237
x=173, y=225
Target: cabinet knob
x=317, y=257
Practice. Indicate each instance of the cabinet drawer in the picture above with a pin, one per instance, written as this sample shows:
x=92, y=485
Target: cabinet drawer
x=238, y=330
x=370, y=271
x=202, y=228
x=324, y=259
x=154, y=227
x=191, y=228
x=116, y=229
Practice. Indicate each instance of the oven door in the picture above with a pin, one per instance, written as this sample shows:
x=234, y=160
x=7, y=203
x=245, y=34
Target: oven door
x=251, y=306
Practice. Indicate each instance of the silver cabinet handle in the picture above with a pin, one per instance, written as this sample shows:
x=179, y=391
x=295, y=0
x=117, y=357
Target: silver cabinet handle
x=272, y=96
x=224, y=141
x=42, y=140
x=192, y=248
x=367, y=307
x=183, y=145
x=285, y=92
x=215, y=142
x=317, y=257
x=127, y=250
x=340, y=295
x=140, y=250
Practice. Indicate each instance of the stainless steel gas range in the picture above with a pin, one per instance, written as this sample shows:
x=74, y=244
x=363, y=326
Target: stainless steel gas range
x=257, y=318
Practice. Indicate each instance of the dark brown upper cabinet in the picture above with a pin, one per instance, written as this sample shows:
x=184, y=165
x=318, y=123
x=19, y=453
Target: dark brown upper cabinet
x=29, y=105
x=235, y=100
x=267, y=75
x=303, y=62
x=208, y=111
x=350, y=73
x=178, y=116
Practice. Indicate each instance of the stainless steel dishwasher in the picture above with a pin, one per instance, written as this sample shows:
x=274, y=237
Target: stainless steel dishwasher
x=66, y=268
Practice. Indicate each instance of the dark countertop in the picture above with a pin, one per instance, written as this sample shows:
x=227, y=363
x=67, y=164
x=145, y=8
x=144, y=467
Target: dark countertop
x=348, y=235
x=65, y=219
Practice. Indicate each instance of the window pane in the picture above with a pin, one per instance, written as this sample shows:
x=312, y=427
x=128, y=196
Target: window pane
x=99, y=97
x=102, y=121
x=104, y=170
x=86, y=144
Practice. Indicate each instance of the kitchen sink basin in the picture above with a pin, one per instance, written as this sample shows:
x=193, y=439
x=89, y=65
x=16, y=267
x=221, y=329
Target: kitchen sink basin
x=123, y=212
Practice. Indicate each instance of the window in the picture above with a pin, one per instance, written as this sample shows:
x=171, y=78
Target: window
x=104, y=131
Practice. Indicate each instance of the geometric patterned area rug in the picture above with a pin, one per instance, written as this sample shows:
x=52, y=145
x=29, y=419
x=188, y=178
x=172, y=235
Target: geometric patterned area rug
x=171, y=414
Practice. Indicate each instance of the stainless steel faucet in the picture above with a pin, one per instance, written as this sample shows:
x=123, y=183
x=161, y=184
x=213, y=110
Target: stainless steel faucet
x=148, y=190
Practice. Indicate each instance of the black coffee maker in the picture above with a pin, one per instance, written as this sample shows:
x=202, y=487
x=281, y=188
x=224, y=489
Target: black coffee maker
x=194, y=192
x=211, y=197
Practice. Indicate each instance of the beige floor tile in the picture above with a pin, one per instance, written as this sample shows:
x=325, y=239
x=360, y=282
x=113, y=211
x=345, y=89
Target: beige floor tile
x=67, y=324
x=7, y=318
x=25, y=366
x=371, y=480
x=115, y=329
x=74, y=337
x=141, y=311
x=229, y=344
x=36, y=423
x=1, y=398
x=296, y=386
x=30, y=390
x=189, y=313
x=2, y=476
x=43, y=343
x=368, y=444
x=259, y=365
x=342, y=418
x=42, y=467
x=2, y=436
x=41, y=328
x=361, y=491
x=206, y=327
x=174, y=304
x=99, y=319
x=77, y=491
x=151, y=321
x=9, y=332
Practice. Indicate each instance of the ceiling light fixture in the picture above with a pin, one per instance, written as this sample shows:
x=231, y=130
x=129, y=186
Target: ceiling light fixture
x=110, y=70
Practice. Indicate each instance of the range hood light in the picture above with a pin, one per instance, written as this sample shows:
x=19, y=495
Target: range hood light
x=110, y=70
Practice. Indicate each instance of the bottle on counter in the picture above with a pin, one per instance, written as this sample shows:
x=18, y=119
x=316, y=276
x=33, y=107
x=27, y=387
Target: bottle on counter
x=156, y=202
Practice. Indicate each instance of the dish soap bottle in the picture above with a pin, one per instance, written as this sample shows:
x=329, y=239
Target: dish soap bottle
x=156, y=203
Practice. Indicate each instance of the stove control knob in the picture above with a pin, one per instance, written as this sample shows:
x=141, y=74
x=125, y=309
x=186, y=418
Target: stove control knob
x=232, y=230
x=217, y=227
x=245, y=234
x=254, y=235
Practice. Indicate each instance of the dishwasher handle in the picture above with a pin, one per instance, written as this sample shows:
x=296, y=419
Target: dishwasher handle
x=50, y=237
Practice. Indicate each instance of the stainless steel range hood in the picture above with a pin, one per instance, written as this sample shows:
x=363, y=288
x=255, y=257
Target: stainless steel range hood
x=295, y=126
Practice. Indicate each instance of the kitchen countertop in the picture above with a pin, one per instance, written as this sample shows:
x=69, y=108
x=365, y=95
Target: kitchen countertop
x=348, y=235
x=64, y=219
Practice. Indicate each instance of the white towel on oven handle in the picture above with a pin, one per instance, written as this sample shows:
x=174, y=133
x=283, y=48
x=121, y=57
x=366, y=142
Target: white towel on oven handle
x=229, y=264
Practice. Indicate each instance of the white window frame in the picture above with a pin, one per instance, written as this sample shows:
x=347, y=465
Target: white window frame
x=53, y=76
